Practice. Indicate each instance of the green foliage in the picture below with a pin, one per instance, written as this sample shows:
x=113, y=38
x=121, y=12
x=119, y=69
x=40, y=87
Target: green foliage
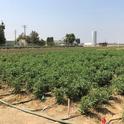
x=34, y=37
x=69, y=39
x=2, y=34
x=40, y=88
x=119, y=71
x=94, y=99
x=77, y=88
x=50, y=41
x=118, y=84
x=87, y=75
x=86, y=104
x=17, y=86
x=100, y=96
x=60, y=95
x=103, y=78
x=42, y=42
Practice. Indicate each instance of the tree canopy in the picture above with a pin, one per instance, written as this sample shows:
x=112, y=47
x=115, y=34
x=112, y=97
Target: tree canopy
x=50, y=41
x=34, y=37
x=2, y=34
x=69, y=39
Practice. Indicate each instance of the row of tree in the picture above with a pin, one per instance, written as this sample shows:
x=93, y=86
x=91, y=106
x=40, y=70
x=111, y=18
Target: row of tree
x=34, y=39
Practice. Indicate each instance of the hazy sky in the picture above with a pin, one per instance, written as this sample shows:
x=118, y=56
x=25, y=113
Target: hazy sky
x=58, y=17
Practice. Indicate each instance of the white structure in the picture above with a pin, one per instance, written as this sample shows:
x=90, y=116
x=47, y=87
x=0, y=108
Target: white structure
x=22, y=43
x=88, y=44
x=59, y=43
x=94, y=38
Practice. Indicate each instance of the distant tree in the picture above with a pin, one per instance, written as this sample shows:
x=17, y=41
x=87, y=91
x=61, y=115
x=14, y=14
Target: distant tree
x=2, y=34
x=23, y=37
x=78, y=41
x=104, y=44
x=42, y=42
x=34, y=38
x=50, y=41
x=69, y=39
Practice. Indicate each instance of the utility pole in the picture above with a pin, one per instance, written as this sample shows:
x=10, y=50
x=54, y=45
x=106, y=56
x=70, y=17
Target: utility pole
x=15, y=36
x=25, y=27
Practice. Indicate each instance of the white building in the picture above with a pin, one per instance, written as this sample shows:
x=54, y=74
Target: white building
x=22, y=43
x=88, y=44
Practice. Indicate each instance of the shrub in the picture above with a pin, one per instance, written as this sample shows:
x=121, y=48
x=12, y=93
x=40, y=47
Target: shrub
x=78, y=88
x=119, y=71
x=103, y=78
x=118, y=84
x=60, y=95
x=100, y=96
x=17, y=86
x=95, y=98
x=40, y=88
x=86, y=104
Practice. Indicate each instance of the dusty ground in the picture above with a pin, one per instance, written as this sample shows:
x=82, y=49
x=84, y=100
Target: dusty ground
x=11, y=116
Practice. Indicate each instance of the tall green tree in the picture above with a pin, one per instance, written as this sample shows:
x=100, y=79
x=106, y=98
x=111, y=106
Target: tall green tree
x=34, y=37
x=42, y=42
x=2, y=34
x=69, y=39
x=50, y=41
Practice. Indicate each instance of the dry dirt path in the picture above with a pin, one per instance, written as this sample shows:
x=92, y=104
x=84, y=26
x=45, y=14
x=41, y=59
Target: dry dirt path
x=12, y=116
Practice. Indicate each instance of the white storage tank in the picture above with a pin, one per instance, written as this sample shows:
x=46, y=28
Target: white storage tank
x=94, y=38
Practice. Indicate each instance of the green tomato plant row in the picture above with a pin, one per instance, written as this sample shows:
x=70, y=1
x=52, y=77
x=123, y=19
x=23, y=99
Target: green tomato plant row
x=89, y=76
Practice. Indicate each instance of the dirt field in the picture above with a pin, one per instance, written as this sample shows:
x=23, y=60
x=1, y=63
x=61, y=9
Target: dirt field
x=12, y=116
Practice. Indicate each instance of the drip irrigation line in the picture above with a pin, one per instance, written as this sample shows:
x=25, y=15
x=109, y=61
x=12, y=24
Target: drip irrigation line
x=33, y=113
x=116, y=119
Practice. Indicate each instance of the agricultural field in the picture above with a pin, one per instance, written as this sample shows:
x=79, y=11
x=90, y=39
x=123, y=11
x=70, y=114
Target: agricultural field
x=89, y=77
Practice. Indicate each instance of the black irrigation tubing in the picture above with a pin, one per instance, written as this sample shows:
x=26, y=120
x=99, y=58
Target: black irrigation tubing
x=68, y=118
x=116, y=119
x=35, y=114
x=44, y=109
x=49, y=107
x=22, y=102
x=8, y=94
x=36, y=110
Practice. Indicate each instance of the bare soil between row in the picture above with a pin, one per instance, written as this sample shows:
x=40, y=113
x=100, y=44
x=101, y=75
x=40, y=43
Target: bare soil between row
x=8, y=115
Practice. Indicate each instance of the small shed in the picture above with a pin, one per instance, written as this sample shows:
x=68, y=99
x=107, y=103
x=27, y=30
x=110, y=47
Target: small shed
x=22, y=43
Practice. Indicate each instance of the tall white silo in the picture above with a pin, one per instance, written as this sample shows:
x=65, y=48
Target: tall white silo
x=94, y=38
